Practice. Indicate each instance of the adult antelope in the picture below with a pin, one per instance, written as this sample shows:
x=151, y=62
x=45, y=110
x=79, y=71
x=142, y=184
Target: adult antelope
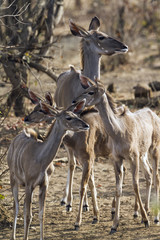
x=30, y=160
x=94, y=44
x=132, y=136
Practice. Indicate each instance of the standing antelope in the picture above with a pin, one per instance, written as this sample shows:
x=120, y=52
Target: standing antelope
x=85, y=147
x=132, y=136
x=94, y=44
x=30, y=160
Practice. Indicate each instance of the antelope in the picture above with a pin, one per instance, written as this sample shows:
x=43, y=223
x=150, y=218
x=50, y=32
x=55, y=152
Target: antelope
x=94, y=44
x=85, y=147
x=30, y=160
x=132, y=136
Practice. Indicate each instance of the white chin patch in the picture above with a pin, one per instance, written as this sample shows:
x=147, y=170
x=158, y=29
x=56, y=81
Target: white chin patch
x=70, y=133
x=122, y=50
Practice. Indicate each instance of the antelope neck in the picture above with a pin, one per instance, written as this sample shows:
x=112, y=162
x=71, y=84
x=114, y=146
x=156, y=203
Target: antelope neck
x=90, y=62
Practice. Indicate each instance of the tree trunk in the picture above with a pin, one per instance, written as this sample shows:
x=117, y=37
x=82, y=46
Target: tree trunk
x=26, y=36
x=17, y=74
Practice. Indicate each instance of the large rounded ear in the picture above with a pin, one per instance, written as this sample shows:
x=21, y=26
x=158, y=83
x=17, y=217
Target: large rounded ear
x=33, y=97
x=46, y=109
x=86, y=82
x=49, y=98
x=77, y=30
x=94, y=24
x=77, y=108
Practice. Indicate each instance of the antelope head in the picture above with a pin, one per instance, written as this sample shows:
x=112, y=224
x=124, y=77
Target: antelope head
x=38, y=115
x=98, y=41
x=93, y=91
x=45, y=112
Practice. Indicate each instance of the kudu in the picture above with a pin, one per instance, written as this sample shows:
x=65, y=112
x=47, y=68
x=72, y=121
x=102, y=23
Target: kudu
x=132, y=136
x=30, y=160
x=85, y=147
x=94, y=44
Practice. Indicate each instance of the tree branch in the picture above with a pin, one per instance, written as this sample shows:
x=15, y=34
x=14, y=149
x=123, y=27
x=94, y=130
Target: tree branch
x=37, y=66
x=41, y=68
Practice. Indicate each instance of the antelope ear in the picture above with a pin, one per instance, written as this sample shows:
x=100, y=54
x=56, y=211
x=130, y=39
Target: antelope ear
x=33, y=97
x=77, y=108
x=44, y=108
x=77, y=30
x=49, y=98
x=94, y=24
x=85, y=81
x=48, y=110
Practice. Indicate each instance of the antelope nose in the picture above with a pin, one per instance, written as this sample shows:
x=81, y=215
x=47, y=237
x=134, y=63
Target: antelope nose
x=74, y=101
x=125, y=48
x=86, y=126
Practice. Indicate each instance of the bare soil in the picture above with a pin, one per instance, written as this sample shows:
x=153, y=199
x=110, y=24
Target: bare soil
x=59, y=224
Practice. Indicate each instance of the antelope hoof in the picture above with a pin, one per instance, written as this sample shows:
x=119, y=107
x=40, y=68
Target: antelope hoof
x=77, y=227
x=113, y=230
x=95, y=220
x=85, y=208
x=146, y=223
x=63, y=203
x=68, y=208
x=135, y=215
x=156, y=221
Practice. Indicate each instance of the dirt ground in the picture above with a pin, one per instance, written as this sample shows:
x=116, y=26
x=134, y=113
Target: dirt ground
x=59, y=224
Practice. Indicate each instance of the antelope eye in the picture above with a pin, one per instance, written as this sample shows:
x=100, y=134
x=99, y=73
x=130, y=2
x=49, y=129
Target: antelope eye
x=101, y=37
x=91, y=93
x=69, y=118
